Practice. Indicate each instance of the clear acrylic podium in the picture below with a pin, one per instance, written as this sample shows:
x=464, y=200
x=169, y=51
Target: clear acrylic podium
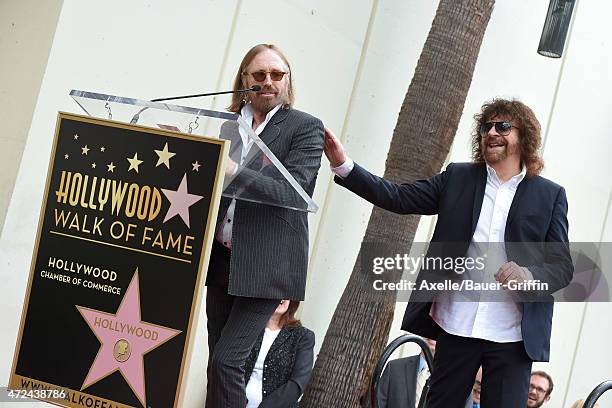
x=259, y=177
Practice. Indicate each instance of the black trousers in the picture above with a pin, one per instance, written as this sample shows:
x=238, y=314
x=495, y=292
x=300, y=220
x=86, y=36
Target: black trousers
x=234, y=324
x=506, y=370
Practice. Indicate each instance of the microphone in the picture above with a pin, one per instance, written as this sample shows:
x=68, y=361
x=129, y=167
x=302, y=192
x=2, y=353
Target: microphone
x=254, y=88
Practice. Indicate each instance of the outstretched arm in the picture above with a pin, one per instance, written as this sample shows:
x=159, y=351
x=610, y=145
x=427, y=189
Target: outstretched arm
x=419, y=197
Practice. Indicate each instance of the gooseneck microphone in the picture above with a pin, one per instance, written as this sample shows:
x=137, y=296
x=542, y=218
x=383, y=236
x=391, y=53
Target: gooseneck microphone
x=254, y=88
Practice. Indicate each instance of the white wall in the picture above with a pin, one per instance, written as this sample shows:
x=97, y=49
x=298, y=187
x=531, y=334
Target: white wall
x=352, y=63
x=25, y=25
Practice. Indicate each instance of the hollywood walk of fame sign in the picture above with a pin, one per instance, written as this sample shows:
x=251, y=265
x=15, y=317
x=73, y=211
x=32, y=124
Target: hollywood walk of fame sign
x=124, y=235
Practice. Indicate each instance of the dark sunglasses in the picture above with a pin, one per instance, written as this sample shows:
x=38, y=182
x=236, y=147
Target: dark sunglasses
x=503, y=128
x=260, y=76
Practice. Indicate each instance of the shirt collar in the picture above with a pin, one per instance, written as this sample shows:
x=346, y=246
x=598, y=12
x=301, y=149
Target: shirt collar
x=422, y=363
x=515, y=180
x=247, y=113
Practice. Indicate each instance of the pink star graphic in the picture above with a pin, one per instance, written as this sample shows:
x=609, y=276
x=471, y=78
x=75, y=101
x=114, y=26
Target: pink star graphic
x=180, y=201
x=124, y=340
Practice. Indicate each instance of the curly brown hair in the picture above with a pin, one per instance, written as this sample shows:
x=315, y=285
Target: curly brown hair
x=530, y=139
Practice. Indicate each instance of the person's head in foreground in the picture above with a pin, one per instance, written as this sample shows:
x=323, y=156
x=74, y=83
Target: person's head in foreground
x=540, y=388
x=580, y=404
x=284, y=315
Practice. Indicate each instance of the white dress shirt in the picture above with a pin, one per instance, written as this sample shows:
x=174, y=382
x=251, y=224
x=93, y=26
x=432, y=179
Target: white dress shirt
x=223, y=232
x=498, y=321
x=254, y=386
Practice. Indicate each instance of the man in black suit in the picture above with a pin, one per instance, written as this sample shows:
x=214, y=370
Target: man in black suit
x=403, y=379
x=260, y=252
x=499, y=198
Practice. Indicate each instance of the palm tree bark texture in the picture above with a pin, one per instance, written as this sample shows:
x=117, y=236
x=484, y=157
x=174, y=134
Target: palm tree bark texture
x=421, y=141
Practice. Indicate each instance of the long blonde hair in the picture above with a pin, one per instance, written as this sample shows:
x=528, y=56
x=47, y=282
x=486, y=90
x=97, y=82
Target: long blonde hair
x=580, y=404
x=238, y=98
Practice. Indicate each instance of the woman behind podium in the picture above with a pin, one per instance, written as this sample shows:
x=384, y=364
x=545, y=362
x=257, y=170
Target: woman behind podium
x=279, y=366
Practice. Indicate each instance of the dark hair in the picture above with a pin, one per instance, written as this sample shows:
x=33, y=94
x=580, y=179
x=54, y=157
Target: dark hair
x=548, y=378
x=530, y=139
x=238, y=98
x=288, y=318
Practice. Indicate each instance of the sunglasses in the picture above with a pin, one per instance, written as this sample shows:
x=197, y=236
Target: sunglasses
x=260, y=76
x=503, y=128
x=538, y=390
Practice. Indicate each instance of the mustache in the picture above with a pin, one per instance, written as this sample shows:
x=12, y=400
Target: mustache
x=500, y=142
x=267, y=88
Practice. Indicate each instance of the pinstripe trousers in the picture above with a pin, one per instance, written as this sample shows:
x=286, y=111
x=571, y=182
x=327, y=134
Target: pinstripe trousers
x=234, y=324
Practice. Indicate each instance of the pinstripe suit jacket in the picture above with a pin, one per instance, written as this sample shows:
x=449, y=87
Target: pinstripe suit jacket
x=269, y=256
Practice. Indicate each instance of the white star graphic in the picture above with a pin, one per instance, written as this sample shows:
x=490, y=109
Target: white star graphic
x=134, y=162
x=180, y=201
x=196, y=166
x=85, y=150
x=103, y=149
x=93, y=165
x=164, y=156
x=76, y=136
x=111, y=167
x=66, y=156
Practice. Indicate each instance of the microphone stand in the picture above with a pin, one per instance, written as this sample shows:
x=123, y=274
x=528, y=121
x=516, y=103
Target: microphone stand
x=254, y=88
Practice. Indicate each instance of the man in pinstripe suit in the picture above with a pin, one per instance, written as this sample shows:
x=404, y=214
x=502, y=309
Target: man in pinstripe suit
x=260, y=252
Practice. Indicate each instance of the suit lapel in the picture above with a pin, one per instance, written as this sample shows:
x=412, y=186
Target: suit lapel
x=282, y=337
x=518, y=196
x=412, y=368
x=257, y=346
x=481, y=182
x=272, y=130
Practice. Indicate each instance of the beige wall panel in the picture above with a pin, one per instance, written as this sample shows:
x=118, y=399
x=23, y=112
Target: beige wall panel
x=26, y=33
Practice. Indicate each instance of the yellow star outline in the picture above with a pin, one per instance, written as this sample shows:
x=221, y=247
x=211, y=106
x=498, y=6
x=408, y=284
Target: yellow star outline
x=164, y=156
x=134, y=162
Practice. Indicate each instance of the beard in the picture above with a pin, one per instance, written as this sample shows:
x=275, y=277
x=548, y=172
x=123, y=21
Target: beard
x=538, y=403
x=263, y=104
x=496, y=155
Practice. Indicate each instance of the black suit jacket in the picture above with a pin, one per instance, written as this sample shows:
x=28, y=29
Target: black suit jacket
x=538, y=214
x=269, y=256
x=287, y=366
x=398, y=383
x=397, y=387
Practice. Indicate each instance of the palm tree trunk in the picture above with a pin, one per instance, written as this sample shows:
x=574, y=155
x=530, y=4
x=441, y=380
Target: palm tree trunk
x=421, y=141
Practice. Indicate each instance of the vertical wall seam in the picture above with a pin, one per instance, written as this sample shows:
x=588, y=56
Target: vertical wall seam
x=228, y=46
x=544, y=141
x=559, y=77
x=605, y=220
x=330, y=185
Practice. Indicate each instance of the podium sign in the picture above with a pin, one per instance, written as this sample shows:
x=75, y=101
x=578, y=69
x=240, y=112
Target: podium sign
x=125, y=229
